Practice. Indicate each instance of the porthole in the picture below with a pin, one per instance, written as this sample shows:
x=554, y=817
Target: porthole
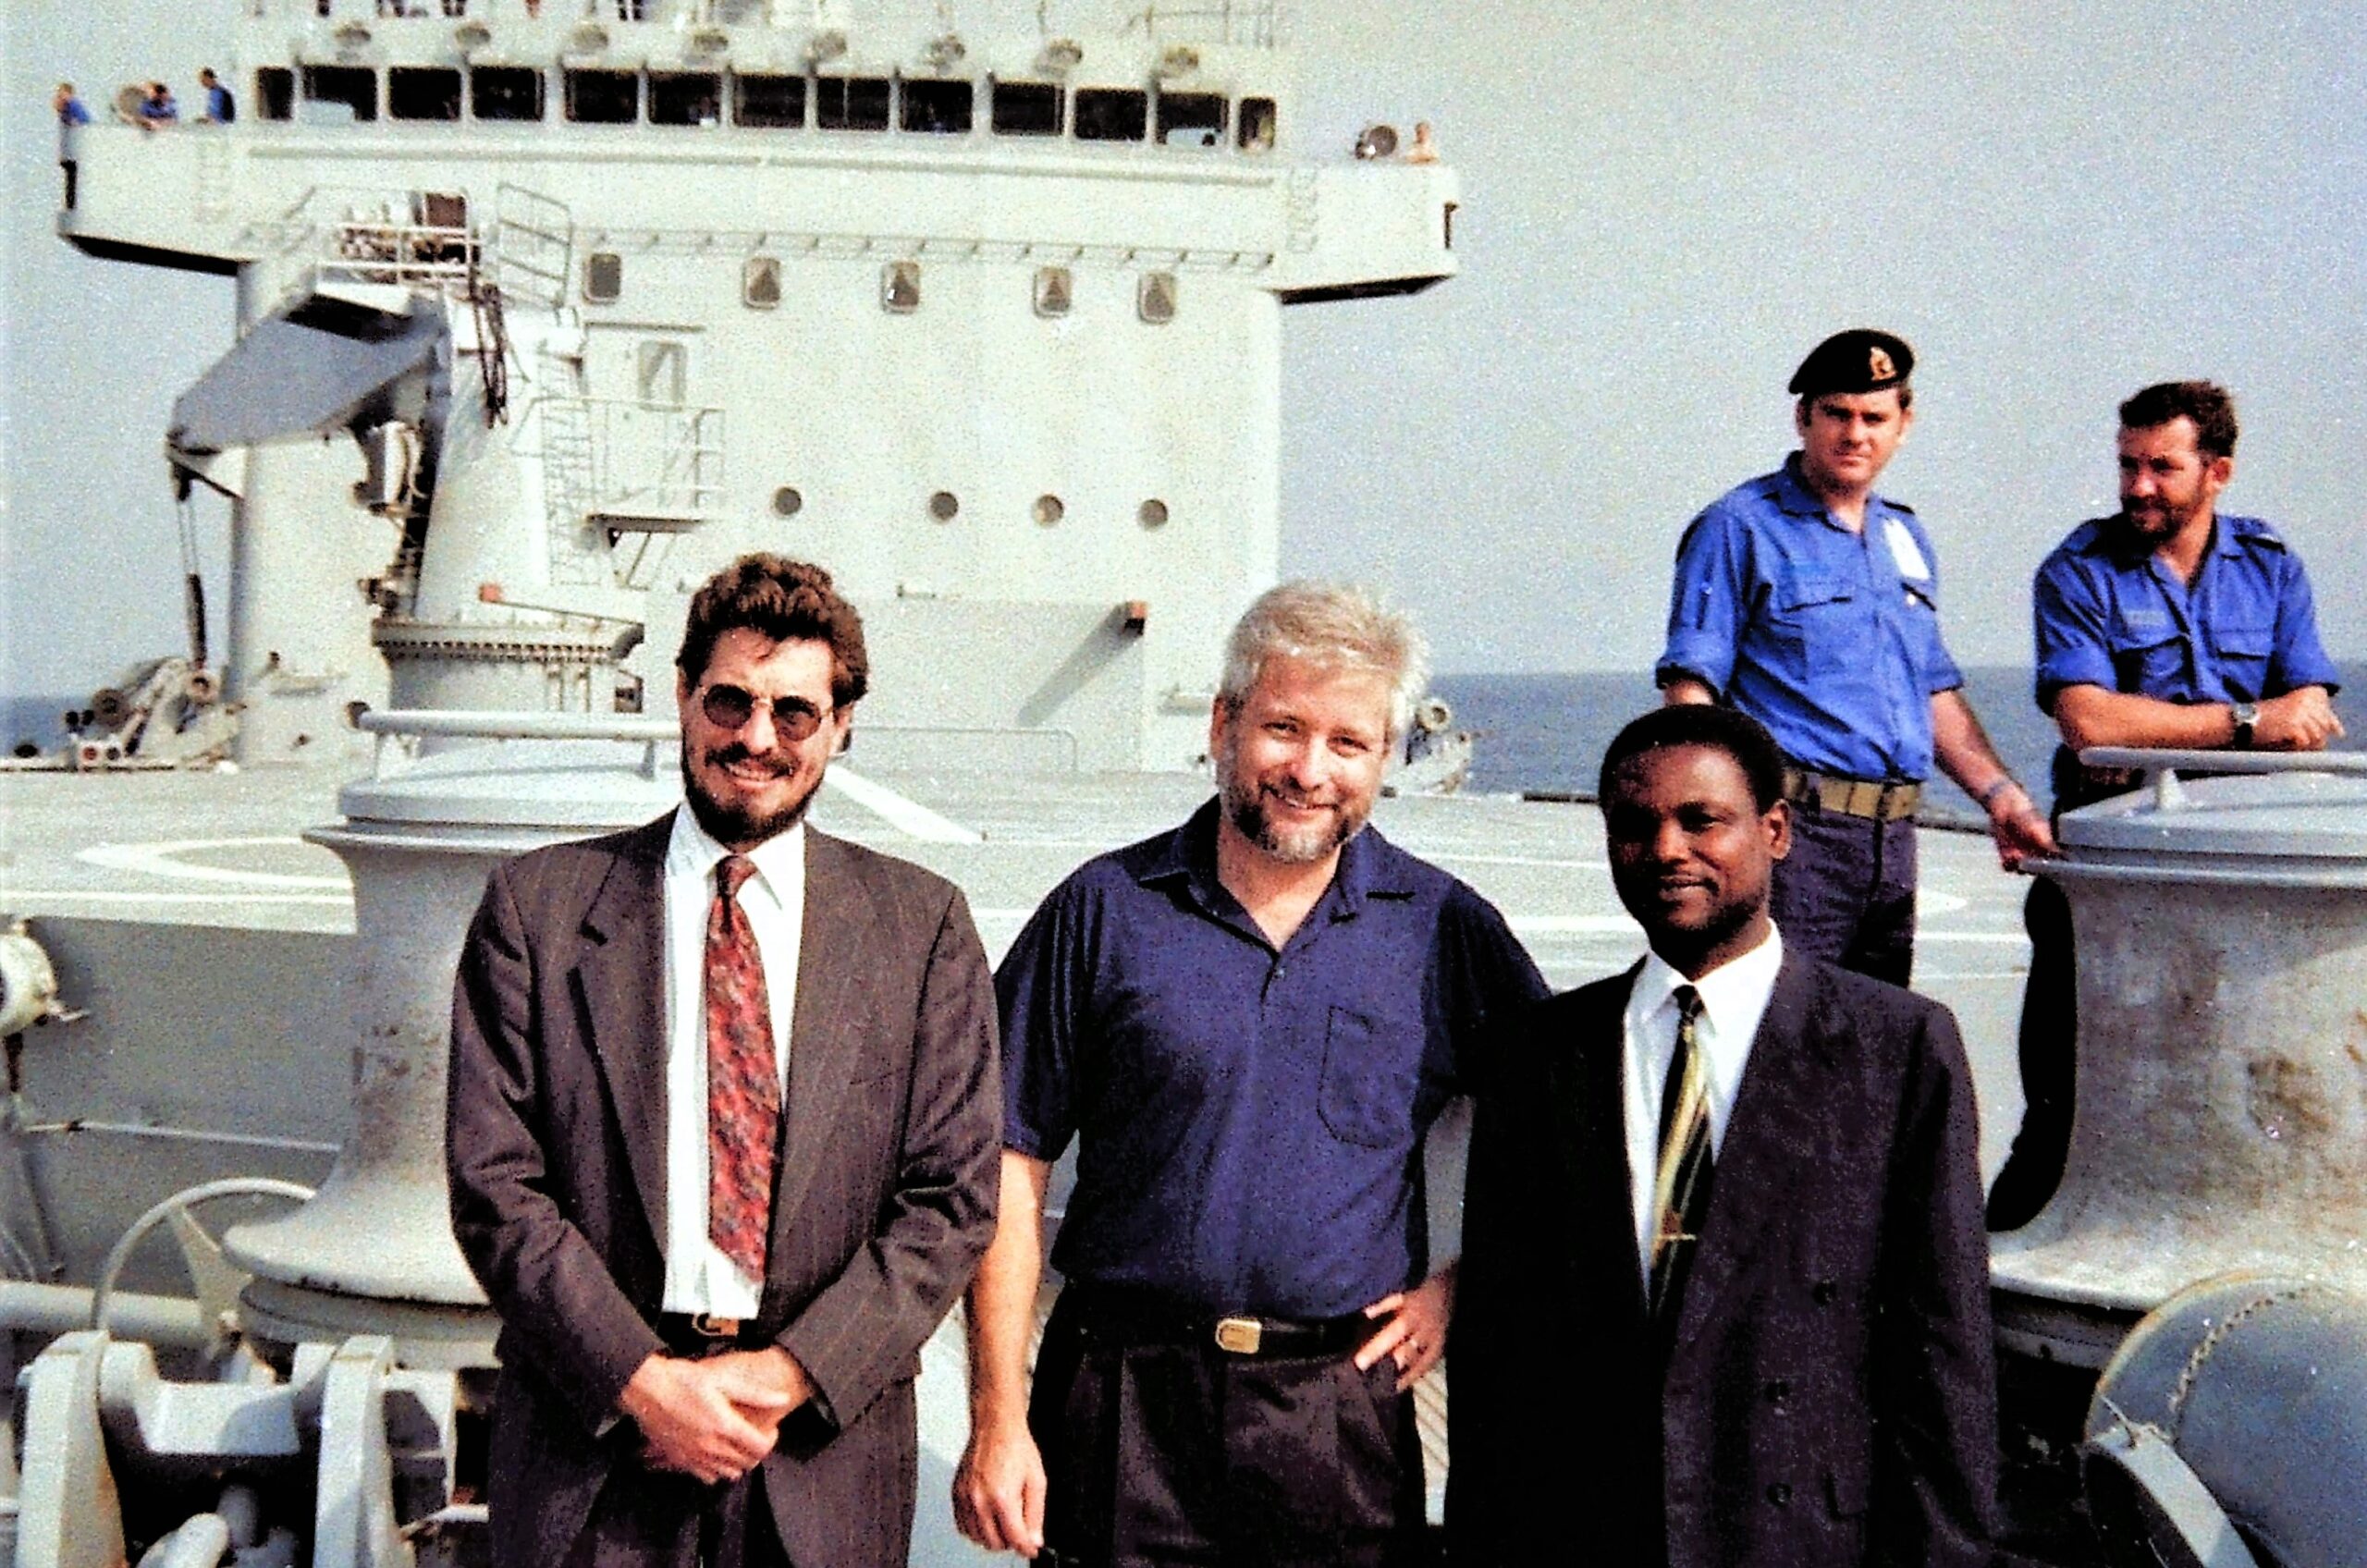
x=1048, y=510
x=900, y=287
x=1152, y=513
x=945, y=506
x=786, y=502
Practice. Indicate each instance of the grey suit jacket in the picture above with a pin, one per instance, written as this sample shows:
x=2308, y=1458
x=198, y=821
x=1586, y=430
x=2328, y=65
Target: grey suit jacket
x=885, y=1194
x=1827, y=1395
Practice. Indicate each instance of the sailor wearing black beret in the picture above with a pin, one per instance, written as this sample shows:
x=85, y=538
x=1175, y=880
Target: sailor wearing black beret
x=1810, y=602
x=1860, y=359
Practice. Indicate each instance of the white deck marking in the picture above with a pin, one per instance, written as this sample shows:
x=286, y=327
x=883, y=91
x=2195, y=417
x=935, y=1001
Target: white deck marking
x=157, y=859
x=908, y=816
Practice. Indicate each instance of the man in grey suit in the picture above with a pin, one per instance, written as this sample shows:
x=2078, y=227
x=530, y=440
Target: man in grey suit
x=1725, y=1297
x=715, y=1261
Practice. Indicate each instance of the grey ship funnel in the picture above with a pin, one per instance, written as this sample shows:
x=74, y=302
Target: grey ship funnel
x=311, y=367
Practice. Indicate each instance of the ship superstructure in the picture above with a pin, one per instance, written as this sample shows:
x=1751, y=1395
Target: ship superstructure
x=986, y=320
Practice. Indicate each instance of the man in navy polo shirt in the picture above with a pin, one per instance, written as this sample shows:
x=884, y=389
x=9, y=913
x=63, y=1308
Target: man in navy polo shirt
x=1248, y=1024
x=2167, y=624
x=1812, y=605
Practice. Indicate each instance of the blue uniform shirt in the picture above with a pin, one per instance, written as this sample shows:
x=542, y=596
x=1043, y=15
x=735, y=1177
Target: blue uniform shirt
x=1829, y=638
x=2106, y=613
x=1249, y=1122
x=73, y=113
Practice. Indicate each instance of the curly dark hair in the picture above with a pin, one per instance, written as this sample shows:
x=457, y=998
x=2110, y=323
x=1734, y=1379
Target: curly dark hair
x=1737, y=734
x=787, y=601
x=2205, y=402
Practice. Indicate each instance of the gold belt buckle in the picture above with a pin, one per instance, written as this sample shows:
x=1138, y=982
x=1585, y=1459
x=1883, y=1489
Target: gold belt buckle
x=714, y=1328
x=1239, y=1336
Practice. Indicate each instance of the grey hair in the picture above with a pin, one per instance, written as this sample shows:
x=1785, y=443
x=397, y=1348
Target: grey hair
x=1337, y=626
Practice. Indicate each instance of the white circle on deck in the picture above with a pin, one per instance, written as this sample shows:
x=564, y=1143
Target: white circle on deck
x=159, y=859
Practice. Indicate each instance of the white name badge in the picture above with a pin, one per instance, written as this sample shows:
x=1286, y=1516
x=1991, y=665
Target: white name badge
x=1904, y=550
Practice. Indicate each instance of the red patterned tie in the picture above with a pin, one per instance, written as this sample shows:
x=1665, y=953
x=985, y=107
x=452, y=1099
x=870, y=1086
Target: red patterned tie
x=743, y=1090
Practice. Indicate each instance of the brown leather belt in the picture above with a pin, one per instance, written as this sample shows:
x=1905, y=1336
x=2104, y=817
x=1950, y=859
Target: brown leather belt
x=1878, y=799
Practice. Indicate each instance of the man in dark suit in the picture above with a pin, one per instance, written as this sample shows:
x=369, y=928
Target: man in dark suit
x=715, y=1262
x=1724, y=1291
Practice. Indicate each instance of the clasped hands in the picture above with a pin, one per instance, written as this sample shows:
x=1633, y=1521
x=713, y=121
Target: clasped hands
x=715, y=1418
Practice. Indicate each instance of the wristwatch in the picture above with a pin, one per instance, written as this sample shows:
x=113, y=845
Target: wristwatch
x=2246, y=714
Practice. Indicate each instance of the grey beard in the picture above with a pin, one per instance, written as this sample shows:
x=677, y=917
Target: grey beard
x=1243, y=808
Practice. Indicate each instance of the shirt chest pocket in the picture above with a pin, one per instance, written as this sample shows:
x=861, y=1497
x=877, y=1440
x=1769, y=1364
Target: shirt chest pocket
x=2149, y=658
x=2242, y=654
x=1823, y=624
x=1372, y=1073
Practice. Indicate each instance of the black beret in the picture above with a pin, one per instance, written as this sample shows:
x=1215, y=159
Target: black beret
x=1860, y=359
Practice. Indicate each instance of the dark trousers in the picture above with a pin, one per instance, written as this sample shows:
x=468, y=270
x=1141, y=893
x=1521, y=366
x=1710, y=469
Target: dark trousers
x=656, y=1519
x=1169, y=1453
x=647, y=1518
x=2050, y=1062
x=1846, y=892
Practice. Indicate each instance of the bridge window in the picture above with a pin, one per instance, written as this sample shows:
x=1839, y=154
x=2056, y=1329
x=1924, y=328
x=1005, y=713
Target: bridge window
x=760, y=282
x=938, y=108
x=1029, y=108
x=1190, y=119
x=276, y=92
x=851, y=102
x=1111, y=114
x=604, y=97
x=423, y=92
x=604, y=277
x=1256, y=125
x=768, y=100
x=506, y=92
x=685, y=98
x=354, y=86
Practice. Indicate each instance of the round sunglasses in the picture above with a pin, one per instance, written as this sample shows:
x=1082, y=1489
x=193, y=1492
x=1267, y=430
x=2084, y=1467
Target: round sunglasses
x=730, y=707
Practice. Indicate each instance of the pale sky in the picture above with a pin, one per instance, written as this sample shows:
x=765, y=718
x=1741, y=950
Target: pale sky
x=1665, y=204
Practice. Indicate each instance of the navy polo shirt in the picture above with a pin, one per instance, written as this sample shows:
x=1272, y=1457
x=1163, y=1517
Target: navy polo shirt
x=1829, y=638
x=2107, y=612
x=1249, y=1122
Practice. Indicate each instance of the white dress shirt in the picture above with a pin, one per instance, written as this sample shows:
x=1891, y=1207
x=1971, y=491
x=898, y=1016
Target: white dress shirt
x=1733, y=999
x=699, y=1278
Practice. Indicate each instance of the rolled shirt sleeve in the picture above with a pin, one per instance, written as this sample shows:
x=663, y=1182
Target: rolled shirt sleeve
x=1708, y=599
x=2070, y=628
x=2298, y=657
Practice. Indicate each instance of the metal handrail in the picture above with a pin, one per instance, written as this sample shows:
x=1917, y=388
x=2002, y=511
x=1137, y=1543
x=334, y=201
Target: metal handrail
x=460, y=723
x=445, y=723
x=2143, y=759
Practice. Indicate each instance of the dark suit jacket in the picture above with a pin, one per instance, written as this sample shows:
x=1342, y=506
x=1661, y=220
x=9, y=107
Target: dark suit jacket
x=885, y=1194
x=1828, y=1394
